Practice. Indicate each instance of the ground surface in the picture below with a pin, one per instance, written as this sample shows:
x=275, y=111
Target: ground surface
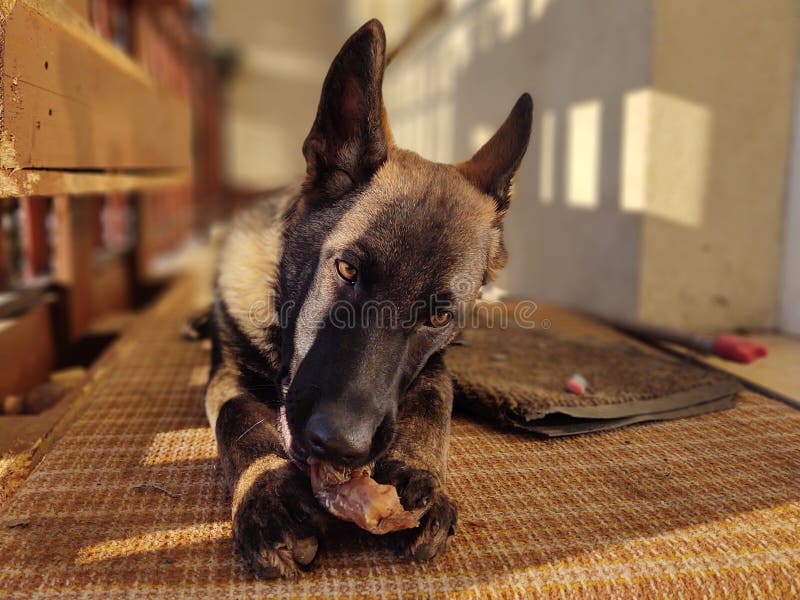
x=129, y=500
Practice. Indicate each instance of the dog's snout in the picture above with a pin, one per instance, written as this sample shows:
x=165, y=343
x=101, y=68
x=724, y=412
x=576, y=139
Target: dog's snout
x=346, y=445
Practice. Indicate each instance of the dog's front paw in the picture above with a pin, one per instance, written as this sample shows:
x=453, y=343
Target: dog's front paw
x=277, y=523
x=419, y=488
x=430, y=539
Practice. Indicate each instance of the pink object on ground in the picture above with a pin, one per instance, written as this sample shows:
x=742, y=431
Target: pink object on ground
x=729, y=347
x=739, y=349
x=576, y=384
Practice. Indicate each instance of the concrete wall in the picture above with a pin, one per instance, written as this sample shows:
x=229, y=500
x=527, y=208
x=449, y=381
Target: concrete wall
x=569, y=241
x=790, y=292
x=284, y=51
x=655, y=183
x=723, y=86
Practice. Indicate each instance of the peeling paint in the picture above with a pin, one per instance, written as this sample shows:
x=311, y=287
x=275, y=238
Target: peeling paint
x=7, y=188
x=8, y=152
x=29, y=183
x=14, y=182
x=34, y=182
x=15, y=96
x=6, y=6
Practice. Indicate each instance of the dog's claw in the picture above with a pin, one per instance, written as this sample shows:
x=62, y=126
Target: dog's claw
x=277, y=526
x=305, y=550
x=433, y=534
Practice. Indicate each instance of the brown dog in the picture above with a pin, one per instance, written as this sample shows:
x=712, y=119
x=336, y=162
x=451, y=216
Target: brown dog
x=333, y=307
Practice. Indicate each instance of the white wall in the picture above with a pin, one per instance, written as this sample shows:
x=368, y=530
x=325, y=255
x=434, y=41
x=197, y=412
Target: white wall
x=718, y=156
x=284, y=49
x=654, y=186
x=569, y=237
x=790, y=292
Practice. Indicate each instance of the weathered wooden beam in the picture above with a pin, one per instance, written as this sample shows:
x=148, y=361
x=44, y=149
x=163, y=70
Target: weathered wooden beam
x=37, y=255
x=26, y=350
x=71, y=100
x=36, y=182
x=74, y=258
x=3, y=257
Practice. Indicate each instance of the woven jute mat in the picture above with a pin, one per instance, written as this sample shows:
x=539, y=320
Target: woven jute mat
x=513, y=371
x=130, y=502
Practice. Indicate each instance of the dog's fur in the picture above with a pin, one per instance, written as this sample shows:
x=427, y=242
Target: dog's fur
x=285, y=384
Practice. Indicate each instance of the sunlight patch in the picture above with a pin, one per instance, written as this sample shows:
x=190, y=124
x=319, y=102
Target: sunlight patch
x=154, y=541
x=181, y=445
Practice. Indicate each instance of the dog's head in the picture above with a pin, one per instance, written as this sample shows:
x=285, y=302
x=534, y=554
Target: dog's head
x=382, y=253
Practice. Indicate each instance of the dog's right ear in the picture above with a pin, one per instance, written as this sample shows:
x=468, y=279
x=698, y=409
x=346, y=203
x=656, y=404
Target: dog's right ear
x=492, y=168
x=347, y=142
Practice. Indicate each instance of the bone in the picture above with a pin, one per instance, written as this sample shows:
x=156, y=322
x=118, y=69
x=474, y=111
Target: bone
x=352, y=495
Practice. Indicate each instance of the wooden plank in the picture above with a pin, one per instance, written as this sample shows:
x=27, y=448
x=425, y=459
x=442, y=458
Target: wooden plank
x=74, y=253
x=164, y=218
x=71, y=100
x=35, y=182
x=26, y=350
x=3, y=257
x=111, y=285
x=37, y=256
x=96, y=224
x=118, y=221
x=194, y=286
x=93, y=287
x=22, y=436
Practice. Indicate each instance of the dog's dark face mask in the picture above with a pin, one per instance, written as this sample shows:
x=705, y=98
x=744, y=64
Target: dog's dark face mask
x=383, y=256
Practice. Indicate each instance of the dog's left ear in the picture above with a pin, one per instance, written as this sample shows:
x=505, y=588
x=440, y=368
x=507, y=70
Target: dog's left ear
x=348, y=142
x=492, y=168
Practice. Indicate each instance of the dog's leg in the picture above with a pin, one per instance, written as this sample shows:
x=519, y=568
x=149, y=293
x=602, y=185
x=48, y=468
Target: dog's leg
x=276, y=520
x=416, y=463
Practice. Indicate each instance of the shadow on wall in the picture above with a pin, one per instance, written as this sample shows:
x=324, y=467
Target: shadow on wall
x=567, y=237
x=637, y=128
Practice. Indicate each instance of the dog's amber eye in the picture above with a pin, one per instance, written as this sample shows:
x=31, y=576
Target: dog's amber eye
x=441, y=319
x=346, y=271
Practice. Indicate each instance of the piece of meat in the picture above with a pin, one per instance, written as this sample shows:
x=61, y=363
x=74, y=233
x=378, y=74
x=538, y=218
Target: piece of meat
x=352, y=495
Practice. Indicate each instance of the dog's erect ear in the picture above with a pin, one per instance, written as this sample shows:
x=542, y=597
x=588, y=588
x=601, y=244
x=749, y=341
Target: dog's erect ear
x=492, y=168
x=347, y=142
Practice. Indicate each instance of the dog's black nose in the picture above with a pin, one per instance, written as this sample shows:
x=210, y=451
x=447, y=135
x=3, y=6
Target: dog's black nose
x=348, y=447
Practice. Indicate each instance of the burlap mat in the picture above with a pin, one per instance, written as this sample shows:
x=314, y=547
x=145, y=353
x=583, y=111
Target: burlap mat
x=130, y=502
x=515, y=375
